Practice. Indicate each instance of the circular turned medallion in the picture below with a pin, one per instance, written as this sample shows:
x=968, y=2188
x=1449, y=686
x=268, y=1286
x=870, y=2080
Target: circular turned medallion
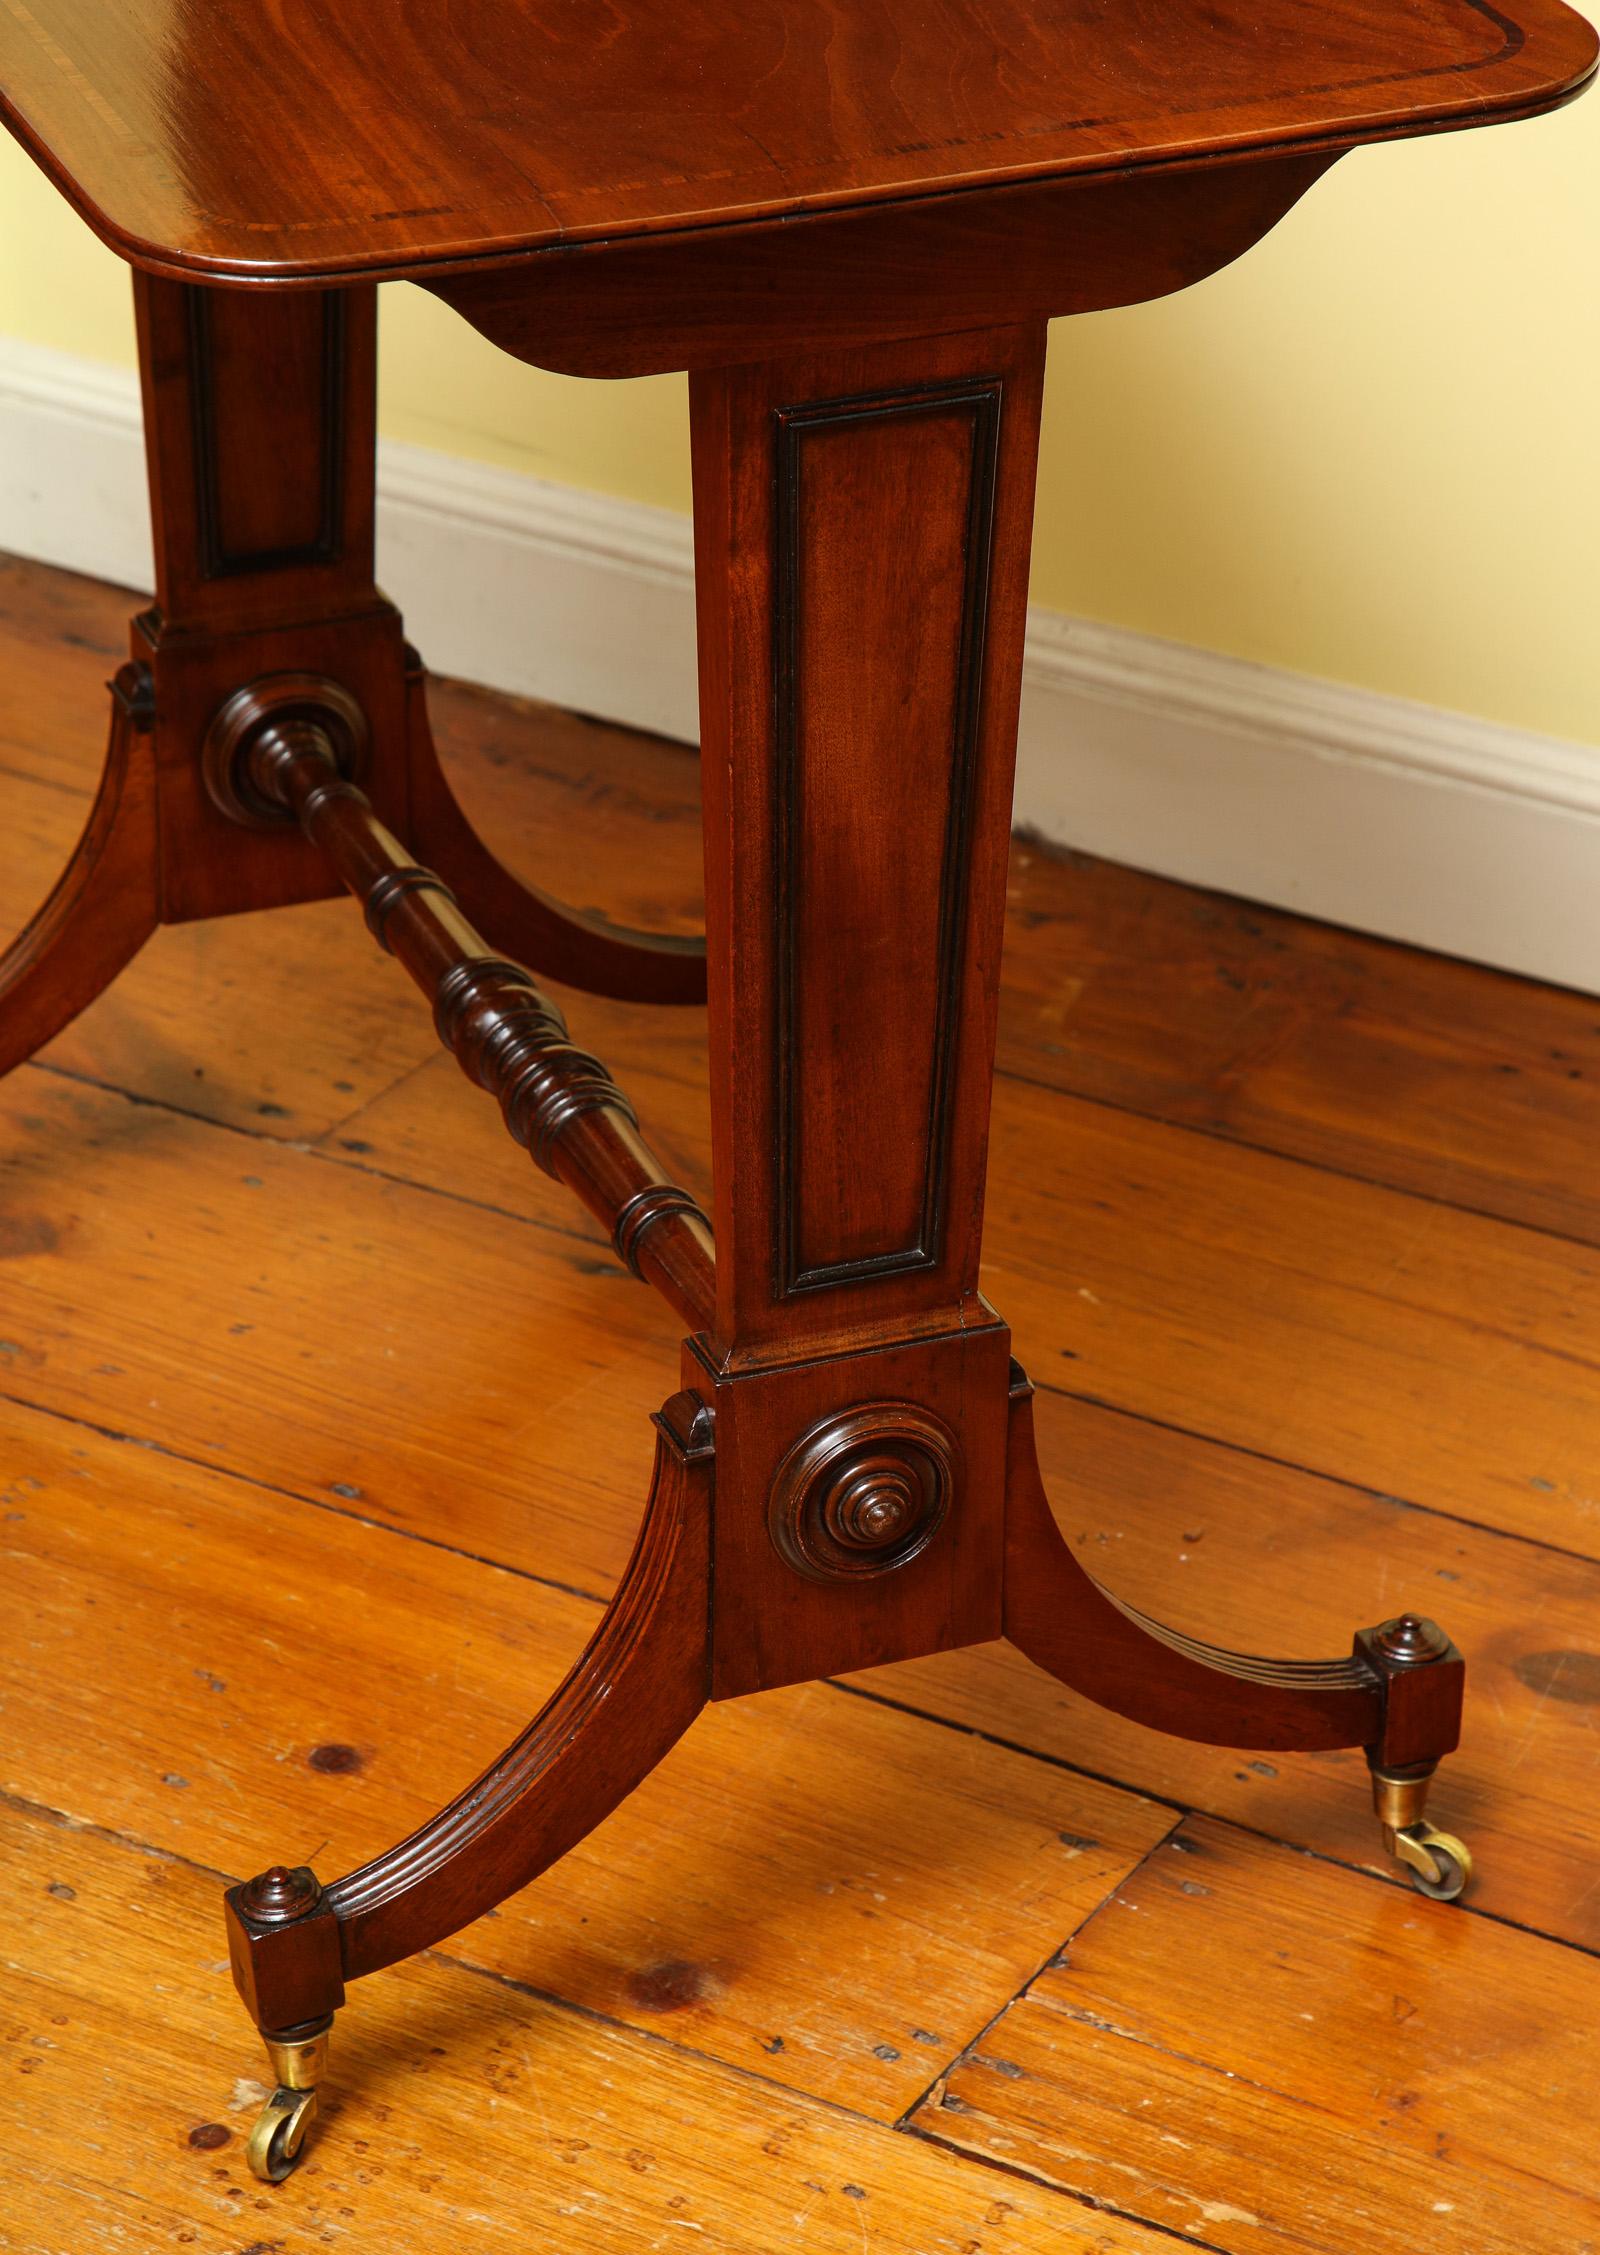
x=276, y=698
x=864, y=1492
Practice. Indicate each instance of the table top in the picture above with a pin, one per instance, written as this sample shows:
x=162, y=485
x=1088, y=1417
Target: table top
x=284, y=139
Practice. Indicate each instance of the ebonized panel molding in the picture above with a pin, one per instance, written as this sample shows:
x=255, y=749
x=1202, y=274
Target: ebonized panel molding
x=217, y=560
x=980, y=400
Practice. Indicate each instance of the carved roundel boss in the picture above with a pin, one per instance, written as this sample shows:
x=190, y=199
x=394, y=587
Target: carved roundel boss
x=865, y=1492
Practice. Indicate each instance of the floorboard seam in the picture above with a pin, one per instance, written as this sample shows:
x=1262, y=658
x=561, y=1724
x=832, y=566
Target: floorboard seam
x=832, y=1683
x=1021, y=2175
x=970, y=2048
x=317, y=1144
x=60, y=1820
x=1291, y=1158
x=299, y=1495
x=1009, y=1073
x=1371, y=1872
x=305, y=1148
x=580, y=1236
x=1302, y=1471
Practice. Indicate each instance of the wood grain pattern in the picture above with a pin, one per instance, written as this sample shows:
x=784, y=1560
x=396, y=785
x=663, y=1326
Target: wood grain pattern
x=848, y=1247
x=639, y=1682
x=776, y=1624
x=1060, y=1616
x=1413, y=1350
x=140, y=1626
x=1441, y=2085
x=1247, y=1552
x=831, y=1896
x=445, y=1442
x=500, y=126
x=103, y=907
x=578, y=2132
x=234, y=381
x=1464, y=1086
x=1427, y=1353
x=852, y=1052
x=508, y=1036
x=716, y=297
x=1480, y=1342
x=260, y=418
x=583, y=947
x=887, y=696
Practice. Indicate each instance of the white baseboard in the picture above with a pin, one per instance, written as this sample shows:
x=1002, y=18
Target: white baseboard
x=1394, y=817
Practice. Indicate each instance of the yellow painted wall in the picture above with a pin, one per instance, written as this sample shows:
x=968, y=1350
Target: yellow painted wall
x=1371, y=450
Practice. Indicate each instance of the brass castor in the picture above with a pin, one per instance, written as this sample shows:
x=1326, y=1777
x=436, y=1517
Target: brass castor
x=299, y=2059
x=1437, y=1863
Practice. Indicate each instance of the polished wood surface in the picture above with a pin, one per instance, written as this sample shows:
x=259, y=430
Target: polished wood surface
x=102, y=908
x=800, y=1934
x=718, y=297
x=388, y=136
x=850, y=1474
x=1397, y=1371
x=858, y=728
x=874, y=1497
x=877, y=1494
x=1417, y=2073
x=507, y=1034
x=260, y=432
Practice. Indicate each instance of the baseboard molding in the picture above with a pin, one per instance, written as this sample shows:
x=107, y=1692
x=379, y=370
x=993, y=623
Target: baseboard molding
x=1398, y=818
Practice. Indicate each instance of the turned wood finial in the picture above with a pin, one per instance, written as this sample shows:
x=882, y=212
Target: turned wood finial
x=275, y=1896
x=1408, y=1641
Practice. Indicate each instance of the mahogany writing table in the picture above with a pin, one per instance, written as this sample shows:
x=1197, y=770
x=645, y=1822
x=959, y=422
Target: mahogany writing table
x=850, y=220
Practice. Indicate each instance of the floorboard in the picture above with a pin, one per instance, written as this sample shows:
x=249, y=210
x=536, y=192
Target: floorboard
x=1265, y=2054
x=469, y=2113
x=1297, y=1232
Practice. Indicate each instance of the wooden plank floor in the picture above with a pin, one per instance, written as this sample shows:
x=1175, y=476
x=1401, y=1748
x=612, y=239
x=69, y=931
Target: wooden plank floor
x=1300, y=1236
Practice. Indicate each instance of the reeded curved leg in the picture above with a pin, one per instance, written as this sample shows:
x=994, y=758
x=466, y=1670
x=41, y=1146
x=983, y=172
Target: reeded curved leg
x=1398, y=1695
x=1062, y=1618
x=579, y=947
x=640, y=1682
x=104, y=908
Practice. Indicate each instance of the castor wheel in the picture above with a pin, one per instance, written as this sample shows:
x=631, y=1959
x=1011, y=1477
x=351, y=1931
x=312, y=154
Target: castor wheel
x=299, y=2060
x=1437, y=1863
x=277, y=2142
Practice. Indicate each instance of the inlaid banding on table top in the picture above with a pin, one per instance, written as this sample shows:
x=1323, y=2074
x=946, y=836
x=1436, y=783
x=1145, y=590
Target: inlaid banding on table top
x=877, y=750
x=499, y=127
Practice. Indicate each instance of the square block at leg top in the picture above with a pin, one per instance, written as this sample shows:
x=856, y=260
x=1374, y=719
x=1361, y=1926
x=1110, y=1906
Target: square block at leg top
x=290, y=1971
x=859, y=1507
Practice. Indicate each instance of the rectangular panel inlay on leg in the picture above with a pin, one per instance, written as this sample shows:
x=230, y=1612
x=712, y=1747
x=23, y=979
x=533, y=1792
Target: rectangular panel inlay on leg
x=862, y=541
x=879, y=649
x=862, y=527
x=292, y=347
